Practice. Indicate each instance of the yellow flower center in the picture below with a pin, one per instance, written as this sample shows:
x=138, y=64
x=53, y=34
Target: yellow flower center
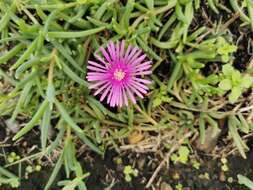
x=119, y=74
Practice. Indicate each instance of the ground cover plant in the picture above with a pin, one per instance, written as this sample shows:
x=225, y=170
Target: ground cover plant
x=178, y=104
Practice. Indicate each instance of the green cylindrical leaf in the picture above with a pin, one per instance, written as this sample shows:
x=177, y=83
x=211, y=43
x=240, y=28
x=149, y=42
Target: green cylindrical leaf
x=33, y=121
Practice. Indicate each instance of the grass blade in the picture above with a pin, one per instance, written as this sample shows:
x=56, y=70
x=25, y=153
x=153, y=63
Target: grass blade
x=67, y=117
x=10, y=54
x=32, y=122
x=245, y=181
x=45, y=124
x=79, y=34
x=202, y=129
x=66, y=55
x=25, y=55
x=72, y=75
x=73, y=125
x=55, y=172
x=236, y=137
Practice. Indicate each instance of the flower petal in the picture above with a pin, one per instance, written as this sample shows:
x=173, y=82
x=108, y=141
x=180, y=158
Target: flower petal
x=140, y=85
x=101, y=60
x=96, y=84
x=112, y=51
x=144, y=81
x=137, y=61
x=130, y=94
x=143, y=73
x=128, y=58
x=120, y=97
x=106, y=55
x=129, y=48
x=96, y=64
x=131, y=59
x=122, y=48
x=102, y=88
x=96, y=77
x=96, y=69
x=110, y=96
x=135, y=91
x=144, y=68
x=125, y=99
x=105, y=93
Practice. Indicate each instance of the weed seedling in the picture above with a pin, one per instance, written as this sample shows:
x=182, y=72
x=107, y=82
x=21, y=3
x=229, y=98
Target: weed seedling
x=234, y=81
x=182, y=156
x=129, y=172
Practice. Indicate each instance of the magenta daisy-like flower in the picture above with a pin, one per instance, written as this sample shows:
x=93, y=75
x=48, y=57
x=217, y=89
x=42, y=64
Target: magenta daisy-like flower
x=117, y=75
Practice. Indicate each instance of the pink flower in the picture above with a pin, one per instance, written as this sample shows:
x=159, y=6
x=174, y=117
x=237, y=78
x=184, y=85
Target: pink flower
x=117, y=75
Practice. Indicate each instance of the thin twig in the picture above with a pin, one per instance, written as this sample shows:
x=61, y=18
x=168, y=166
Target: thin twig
x=230, y=21
x=173, y=149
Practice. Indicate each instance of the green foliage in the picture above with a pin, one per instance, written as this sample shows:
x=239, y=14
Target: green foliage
x=179, y=186
x=7, y=178
x=182, y=155
x=44, y=48
x=71, y=165
x=239, y=8
x=161, y=97
x=224, y=166
x=225, y=49
x=129, y=172
x=235, y=125
x=245, y=181
x=12, y=157
x=234, y=81
x=210, y=50
x=196, y=164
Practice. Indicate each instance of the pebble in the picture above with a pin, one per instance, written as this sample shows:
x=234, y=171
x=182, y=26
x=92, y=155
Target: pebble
x=222, y=176
x=210, y=140
x=165, y=186
x=12, y=126
x=176, y=175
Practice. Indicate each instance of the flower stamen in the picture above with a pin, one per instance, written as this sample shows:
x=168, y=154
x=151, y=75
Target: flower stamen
x=119, y=74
